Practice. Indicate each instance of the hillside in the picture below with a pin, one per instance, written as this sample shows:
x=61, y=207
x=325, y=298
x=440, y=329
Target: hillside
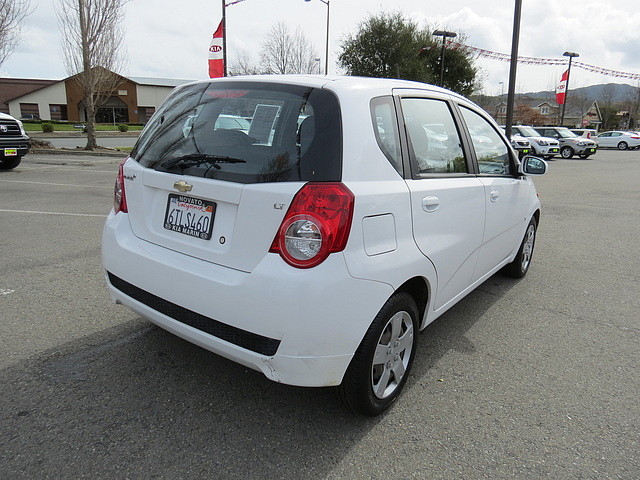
x=618, y=91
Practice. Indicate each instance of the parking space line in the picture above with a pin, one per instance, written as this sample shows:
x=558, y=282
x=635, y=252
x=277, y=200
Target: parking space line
x=53, y=213
x=56, y=184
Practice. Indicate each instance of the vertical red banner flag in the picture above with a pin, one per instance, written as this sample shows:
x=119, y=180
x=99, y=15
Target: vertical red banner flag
x=561, y=89
x=216, y=54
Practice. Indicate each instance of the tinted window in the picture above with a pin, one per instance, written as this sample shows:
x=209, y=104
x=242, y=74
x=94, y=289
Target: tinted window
x=434, y=142
x=385, y=127
x=491, y=151
x=245, y=132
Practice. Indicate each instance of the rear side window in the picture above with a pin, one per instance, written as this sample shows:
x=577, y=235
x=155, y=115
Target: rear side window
x=245, y=132
x=385, y=127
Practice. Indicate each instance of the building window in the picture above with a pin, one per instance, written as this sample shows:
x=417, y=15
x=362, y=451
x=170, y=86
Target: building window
x=58, y=112
x=503, y=110
x=29, y=109
x=145, y=113
x=544, y=110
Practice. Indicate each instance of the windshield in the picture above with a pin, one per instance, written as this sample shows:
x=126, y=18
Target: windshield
x=246, y=132
x=527, y=132
x=566, y=133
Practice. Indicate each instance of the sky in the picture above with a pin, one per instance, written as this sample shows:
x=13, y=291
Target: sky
x=170, y=38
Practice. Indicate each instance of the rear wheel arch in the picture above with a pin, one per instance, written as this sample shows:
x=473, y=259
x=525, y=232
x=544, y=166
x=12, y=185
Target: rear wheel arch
x=419, y=289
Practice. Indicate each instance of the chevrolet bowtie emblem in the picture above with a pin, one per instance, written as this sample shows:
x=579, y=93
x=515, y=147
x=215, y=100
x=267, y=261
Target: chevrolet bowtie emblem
x=182, y=186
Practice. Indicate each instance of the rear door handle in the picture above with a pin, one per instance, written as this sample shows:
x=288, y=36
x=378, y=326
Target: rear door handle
x=430, y=203
x=494, y=195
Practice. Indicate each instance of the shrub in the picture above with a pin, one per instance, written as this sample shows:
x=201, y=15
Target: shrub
x=47, y=127
x=123, y=128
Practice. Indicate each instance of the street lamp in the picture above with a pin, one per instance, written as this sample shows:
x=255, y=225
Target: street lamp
x=326, y=65
x=444, y=34
x=571, y=55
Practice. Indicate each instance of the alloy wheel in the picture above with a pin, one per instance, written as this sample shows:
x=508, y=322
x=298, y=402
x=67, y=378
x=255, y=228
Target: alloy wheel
x=392, y=355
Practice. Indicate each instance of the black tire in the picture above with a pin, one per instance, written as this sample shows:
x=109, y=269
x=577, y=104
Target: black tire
x=9, y=163
x=623, y=146
x=369, y=388
x=547, y=157
x=566, y=152
x=584, y=155
x=520, y=265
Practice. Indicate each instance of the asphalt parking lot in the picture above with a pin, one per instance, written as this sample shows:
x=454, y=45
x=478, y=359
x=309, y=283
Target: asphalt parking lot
x=529, y=379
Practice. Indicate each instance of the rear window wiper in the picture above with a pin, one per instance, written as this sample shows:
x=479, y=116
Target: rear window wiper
x=195, y=159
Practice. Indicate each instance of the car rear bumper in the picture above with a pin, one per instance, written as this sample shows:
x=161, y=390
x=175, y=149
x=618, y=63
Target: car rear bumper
x=299, y=327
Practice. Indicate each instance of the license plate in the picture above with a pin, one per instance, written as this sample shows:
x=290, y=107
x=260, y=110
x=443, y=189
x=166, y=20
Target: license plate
x=554, y=150
x=592, y=150
x=189, y=216
x=10, y=152
x=524, y=150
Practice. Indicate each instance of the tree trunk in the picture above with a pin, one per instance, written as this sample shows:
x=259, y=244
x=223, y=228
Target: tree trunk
x=88, y=74
x=91, y=122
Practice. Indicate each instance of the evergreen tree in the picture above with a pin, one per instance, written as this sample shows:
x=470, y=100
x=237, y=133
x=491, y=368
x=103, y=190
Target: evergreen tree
x=388, y=45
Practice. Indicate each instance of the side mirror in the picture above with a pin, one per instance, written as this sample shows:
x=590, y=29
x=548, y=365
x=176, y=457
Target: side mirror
x=531, y=165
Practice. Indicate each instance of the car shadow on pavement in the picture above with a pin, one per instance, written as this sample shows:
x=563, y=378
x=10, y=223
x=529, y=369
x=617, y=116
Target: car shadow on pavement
x=135, y=401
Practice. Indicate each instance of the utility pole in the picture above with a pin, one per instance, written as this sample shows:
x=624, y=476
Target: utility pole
x=566, y=88
x=514, y=64
x=224, y=37
x=444, y=34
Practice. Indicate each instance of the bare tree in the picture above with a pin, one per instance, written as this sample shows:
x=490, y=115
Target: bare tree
x=632, y=101
x=286, y=52
x=608, y=108
x=12, y=12
x=242, y=65
x=92, y=38
x=580, y=100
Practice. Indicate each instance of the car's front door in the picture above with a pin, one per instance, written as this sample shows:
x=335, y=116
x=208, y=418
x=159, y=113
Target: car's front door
x=604, y=139
x=506, y=195
x=447, y=198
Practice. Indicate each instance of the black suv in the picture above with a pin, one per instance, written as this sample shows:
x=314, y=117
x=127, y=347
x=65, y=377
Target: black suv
x=14, y=142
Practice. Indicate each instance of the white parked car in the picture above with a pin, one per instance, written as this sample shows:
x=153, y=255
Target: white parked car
x=544, y=147
x=314, y=253
x=520, y=144
x=618, y=139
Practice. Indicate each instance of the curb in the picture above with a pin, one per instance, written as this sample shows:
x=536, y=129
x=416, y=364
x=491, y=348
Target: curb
x=65, y=134
x=91, y=153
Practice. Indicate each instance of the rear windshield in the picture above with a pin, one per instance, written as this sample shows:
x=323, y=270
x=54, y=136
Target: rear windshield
x=245, y=132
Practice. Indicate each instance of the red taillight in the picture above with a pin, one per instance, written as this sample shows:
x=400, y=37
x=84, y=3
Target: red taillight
x=119, y=197
x=635, y=138
x=317, y=223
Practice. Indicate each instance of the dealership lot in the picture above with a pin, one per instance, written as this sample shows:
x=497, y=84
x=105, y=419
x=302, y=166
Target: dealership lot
x=523, y=379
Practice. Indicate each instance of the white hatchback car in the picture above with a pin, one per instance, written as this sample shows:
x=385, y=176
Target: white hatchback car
x=315, y=250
